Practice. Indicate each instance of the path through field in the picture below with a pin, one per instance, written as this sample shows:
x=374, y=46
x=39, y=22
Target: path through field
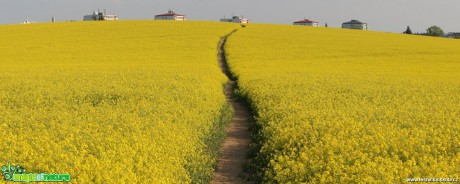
x=236, y=145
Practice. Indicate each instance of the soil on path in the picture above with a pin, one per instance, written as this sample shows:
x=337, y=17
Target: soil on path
x=236, y=145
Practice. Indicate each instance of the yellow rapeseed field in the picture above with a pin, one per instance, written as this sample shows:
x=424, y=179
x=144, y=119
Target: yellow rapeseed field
x=113, y=102
x=347, y=106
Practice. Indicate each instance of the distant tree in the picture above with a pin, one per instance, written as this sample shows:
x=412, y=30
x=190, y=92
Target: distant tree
x=408, y=31
x=434, y=31
x=454, y=35
x=325, y=25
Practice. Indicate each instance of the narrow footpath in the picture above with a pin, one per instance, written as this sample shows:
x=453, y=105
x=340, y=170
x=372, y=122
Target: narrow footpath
x=236, y=145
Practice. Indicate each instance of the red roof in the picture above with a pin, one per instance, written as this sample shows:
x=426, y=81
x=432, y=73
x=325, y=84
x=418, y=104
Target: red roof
x=306, y=21
x=169, y=14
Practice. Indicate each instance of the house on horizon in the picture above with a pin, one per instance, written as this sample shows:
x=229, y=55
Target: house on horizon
x=100, y=15
x=171, y=15
x=355, y=24
x=306, y=22
x=236, y=19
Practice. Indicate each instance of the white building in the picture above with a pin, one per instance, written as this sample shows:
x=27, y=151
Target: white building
x=306, y=22
x=236, y=19
x=100, y=15
x=171, y=15
x=28, y=22
x=354, y=24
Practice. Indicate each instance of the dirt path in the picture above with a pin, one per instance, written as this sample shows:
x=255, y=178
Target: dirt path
x=236, y=145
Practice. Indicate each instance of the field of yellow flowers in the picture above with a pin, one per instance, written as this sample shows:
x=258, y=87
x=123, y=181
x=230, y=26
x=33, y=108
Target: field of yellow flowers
x=347, y=106
x=113, y=102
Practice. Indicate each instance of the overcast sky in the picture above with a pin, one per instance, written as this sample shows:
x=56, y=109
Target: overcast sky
x=381, y=15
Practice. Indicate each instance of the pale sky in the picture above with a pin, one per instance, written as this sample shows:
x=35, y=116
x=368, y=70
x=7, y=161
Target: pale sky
x=381, y=15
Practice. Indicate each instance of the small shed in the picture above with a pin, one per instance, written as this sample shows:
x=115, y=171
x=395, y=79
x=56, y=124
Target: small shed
x=171, y=15
x=306, y=22
x=355, y=24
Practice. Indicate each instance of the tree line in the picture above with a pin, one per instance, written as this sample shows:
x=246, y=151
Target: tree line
x=433, y=31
